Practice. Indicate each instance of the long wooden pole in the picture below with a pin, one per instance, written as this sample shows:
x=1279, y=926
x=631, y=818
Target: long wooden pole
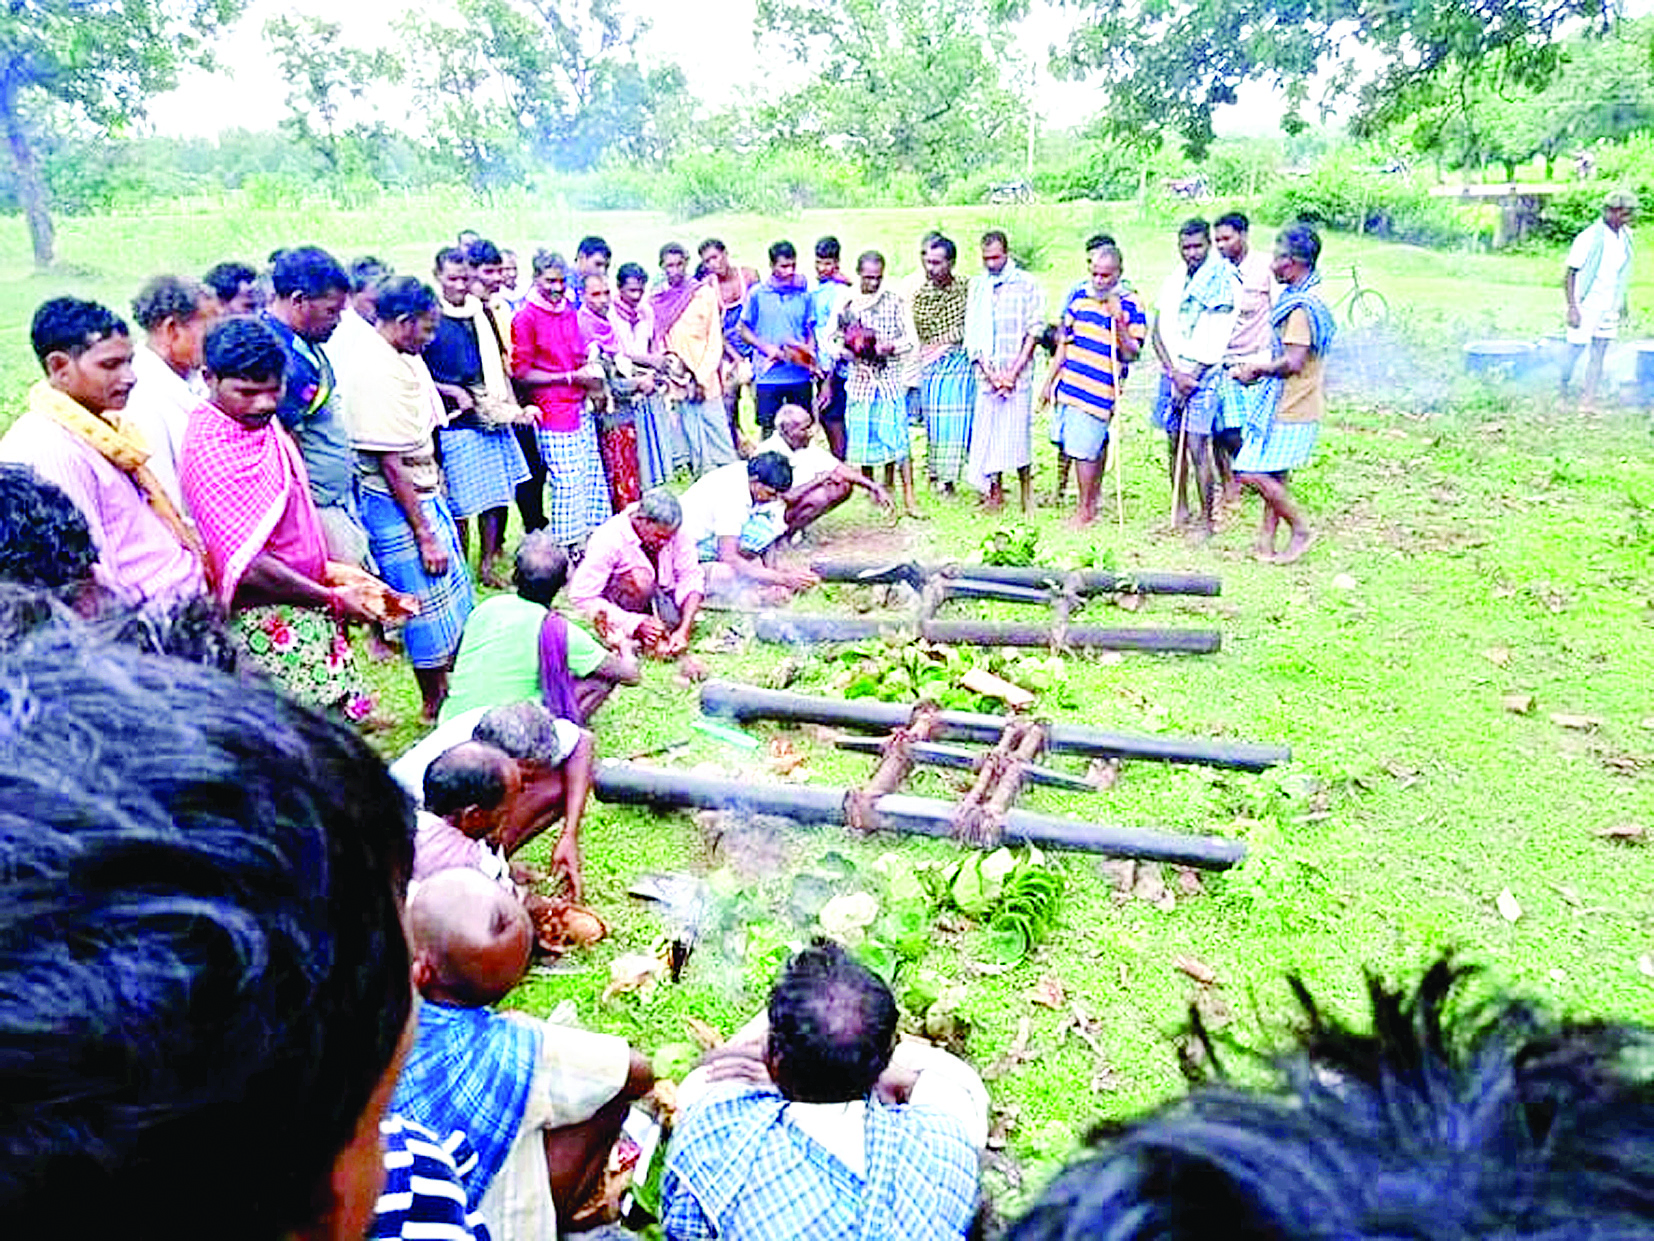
x=787, y=627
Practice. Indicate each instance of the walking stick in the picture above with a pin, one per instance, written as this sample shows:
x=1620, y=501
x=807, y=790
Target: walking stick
x=1113, y=429
x=1177, y=469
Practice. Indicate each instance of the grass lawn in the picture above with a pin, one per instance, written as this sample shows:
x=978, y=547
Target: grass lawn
x=1490, y=546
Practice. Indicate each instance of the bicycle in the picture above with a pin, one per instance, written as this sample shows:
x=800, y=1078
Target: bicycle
x=1367, y=306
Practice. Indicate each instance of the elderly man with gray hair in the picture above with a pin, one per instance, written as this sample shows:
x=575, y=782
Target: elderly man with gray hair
x=1595, y=282
x=641, y=577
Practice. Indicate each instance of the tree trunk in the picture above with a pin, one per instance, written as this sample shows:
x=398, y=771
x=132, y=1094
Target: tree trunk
x=31, y=188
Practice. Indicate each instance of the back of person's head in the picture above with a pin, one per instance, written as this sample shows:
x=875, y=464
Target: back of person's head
x=827, y=248
x=483, y=253
x=541, y=569
x=192, y=630
x=525, y=731
x=1501, y=1124
x=771, y=469
x=244, y=348
x=45, y=542
x=203, y=978
x=168, y=297
x=366, y=272
x=72, y=326
x=782, y=250
x=309, y=271
x=470, y=938
x=591, y=246
x=405, y=297
x=832, y=1026
x=226, y=279
x=469, y=774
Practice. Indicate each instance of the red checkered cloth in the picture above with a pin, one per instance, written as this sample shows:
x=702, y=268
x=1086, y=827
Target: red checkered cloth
x=247, y=491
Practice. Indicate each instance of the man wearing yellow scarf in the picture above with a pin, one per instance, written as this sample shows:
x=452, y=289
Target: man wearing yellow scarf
x=74, y=435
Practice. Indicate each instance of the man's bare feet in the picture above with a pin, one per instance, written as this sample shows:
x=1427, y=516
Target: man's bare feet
x=1081, y=519
x=993, y=502
x=1199, y=534
x=1294, y=551
x=692, y=668
x=914, y=513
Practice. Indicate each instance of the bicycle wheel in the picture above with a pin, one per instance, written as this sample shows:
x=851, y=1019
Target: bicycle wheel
x=1367, y=308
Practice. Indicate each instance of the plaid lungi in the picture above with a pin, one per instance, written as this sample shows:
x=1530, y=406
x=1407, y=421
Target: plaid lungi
x=706, y=434
x=877, y=430
x=1201, y=409
x=1002, y=432
x=947, y=399
x=1285, y=446
x=574, y=480
x=481, y=468
x=445, y=602
x=1239, y=404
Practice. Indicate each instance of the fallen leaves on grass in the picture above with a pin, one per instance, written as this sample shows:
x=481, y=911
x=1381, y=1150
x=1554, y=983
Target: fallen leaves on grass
x=784, y=757
x=1580, y=723
x=1497, y=655
x=1214, y=1010
x=1188, y=882
x=1049, y=992
x=1001, y=1121
x=1508, y=907
x=1130, y=603
x=1150, y=886
x=1627, y=833
x=1517, y=704
x=706, y=1035
x=1196, y=969
x=1103, y=773
x=1014, y=1056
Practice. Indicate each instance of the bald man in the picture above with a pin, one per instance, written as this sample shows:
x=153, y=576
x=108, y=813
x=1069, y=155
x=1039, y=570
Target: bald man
x=821, y=482
x=470, y=793
x=543, y=1105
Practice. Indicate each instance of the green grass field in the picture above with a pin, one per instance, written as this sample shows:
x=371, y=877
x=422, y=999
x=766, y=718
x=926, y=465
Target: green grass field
x=1490, y=546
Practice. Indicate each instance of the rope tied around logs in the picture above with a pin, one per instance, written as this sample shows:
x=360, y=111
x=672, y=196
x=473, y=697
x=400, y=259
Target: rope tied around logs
x=979, y=819
x=894, y=765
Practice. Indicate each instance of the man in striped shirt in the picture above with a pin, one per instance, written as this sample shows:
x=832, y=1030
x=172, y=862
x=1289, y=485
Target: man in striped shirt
x=1103, y=328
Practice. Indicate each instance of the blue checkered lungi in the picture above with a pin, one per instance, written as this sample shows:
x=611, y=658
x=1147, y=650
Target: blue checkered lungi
x=877, y=431
x=445, y=602
x=481, y=469
x=1240, y=404
x=947, y=399
x=1285, y=446
x=1200, y=410
x=577, y=489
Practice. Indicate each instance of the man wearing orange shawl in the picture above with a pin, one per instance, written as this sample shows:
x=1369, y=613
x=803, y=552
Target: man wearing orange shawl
x=266, y=553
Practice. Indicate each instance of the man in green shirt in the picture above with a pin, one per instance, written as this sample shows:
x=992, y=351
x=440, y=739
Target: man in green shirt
x=499, y=655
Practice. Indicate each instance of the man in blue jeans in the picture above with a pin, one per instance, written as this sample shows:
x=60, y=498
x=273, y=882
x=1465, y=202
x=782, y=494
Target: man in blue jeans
x=776, y=323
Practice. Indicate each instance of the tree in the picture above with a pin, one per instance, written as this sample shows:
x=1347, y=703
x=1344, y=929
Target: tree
x=323, y=77
x=1169, y=64
x=469, y=112
x=102, y=58
x=900, y=85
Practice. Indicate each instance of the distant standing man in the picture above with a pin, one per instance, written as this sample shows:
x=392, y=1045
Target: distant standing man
x=733, y=284
x=1283, y=437
x=310, y=290
x=1250, y=340
x=175, y=315
x=482, y=462
x=1005, y=314
x=236, y=287
x=1595, y=283
x=1191, y=333
x=776, y=323
x=591, y=258
x=945, y=380
x=689, y=335
x=826, y=301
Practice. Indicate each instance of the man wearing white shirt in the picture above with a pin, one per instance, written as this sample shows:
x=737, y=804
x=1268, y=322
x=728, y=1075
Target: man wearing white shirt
x=361, y=312
x=174, y=314
x=1251, y=341
x=1596, y=281
x=821, y=482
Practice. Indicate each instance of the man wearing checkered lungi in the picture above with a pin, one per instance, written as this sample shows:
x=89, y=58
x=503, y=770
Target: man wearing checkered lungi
x=1282, y=436
x=393, y=409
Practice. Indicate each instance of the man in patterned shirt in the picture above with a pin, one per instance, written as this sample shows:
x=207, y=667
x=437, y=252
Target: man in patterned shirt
x=813, y=1123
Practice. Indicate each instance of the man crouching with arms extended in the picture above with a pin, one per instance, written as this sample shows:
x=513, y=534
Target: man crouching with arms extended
x=814, y=1124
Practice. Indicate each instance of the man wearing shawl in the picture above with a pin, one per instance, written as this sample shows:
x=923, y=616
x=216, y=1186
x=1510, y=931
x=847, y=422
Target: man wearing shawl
x=815, y=1124
x=393, y=410
x=542, y=1104
x=872, y=336
x=549, y=357
x=659, y=444
x=945, y=380
x=74, y=435
x=1192, y=326
x=482, y=463
x=776, y=325
x=266, y=553
x=1004, y=316
x=689, y=329
x=1282, y=437
x=612, y=404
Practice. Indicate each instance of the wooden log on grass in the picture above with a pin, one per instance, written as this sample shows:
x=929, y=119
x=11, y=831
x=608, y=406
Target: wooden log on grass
x=632, y=784
x=960, y=758
x=790, y=627
x=748, y=702
x=1082, y=581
